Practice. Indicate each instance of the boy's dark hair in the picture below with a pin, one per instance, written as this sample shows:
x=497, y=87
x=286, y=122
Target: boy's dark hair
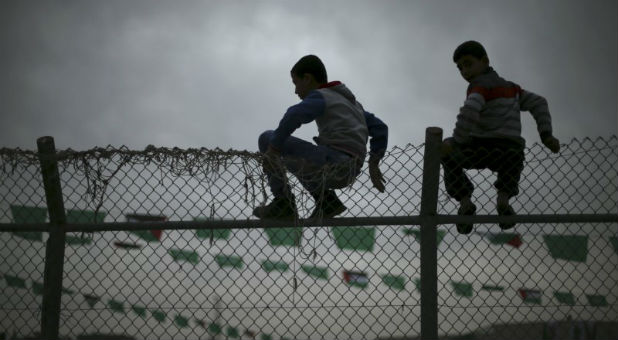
x=313, y=65
x=473, y=48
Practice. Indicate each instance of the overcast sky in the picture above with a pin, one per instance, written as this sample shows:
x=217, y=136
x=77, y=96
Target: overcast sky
x=216, y=74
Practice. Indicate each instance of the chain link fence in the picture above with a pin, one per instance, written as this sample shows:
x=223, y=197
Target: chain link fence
x=154, y=267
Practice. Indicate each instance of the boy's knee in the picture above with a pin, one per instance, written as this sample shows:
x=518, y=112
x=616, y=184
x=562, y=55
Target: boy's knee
x=264, y=140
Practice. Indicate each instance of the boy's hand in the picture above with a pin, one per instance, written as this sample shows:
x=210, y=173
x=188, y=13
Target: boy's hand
x=552, y=144
x=446, y=148
x=271, y=161
x=375, y=174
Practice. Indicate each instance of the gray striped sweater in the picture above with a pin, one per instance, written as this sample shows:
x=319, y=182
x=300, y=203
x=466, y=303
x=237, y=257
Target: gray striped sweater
x=492, y=110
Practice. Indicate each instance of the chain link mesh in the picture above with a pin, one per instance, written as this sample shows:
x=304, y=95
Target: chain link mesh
x=307, y=282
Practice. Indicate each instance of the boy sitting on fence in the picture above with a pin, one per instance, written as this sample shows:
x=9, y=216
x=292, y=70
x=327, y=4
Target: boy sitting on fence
x=338, y=155
x=487, y=134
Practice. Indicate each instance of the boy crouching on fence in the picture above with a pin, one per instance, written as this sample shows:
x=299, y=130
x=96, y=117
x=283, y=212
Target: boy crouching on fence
x=487, y=134
x=340, y=150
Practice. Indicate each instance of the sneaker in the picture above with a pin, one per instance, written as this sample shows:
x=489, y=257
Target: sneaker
x=279, y=208
x=466, y=210
x=505, y=210
x=329, y=206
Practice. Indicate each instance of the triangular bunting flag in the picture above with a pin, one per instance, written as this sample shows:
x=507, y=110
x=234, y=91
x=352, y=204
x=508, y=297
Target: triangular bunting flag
x=266, y=337
x=85, y=216
x=14, y=281
x=232, y=332
x=91, y=300
x=127, y=245
x=512, y=239
x=567, y=247
x=354, y=238
x=214, y=328
x=181, y=321
x=26, y=215
x=288, y=237
x=271, y=266
x=395, y=282
x=530, y=295
x=614, y=241
x=37, y=288
x=77, y=240
x=565, y=298
x=217, y=234
x=417, y=284
x=462, y=288
x=140, y=311
x=317, y=272
x=147, y=235
x=184, y=255
x=229, y=261
x=492, y=288
x=158, y=315
x=417, y=234
x=356, y=279
x=596, y=300
x=116, y=306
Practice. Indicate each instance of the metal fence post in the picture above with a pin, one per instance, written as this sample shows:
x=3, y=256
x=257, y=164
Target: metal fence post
x=429, y=251
x=54, y=252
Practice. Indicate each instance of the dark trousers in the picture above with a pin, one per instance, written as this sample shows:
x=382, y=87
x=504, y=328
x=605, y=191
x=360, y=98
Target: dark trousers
x=503, y=156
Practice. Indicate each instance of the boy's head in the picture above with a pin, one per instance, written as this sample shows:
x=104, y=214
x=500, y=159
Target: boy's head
x=471, y=59
x=308, y=74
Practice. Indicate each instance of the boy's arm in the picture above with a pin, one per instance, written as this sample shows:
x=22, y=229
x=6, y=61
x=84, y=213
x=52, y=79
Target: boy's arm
x=468, y=116
x=302, y=113
x=538, y=107
x=378, y=131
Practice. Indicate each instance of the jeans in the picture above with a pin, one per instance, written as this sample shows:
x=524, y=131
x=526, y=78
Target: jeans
x=317, y=167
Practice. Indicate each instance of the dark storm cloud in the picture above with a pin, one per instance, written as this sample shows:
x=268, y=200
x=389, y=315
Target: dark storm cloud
x=215, y=74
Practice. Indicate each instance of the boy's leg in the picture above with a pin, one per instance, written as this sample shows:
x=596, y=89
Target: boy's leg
x=509, y=165
x=457, y=183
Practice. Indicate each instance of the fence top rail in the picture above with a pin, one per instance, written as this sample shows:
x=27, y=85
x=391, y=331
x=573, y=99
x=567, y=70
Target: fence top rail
x=329, y=222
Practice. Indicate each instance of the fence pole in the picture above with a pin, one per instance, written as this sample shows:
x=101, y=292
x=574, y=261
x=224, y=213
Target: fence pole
x=54, y=252
x=429, y=251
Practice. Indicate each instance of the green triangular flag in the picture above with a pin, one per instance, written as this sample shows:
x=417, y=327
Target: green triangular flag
x=614, y=241
x=229, y=261
x=395, y=282
x=84, y=216
x=116, y=306
x=158, y=315
x=217, y=234
x=417, y=284
x=77, y=240
x=596, y=300
x=565, y=298
x=214, y=328
x=91, y=300
x=37, y=288
x=492, y=288
x=26, y=214
x=266, y=337
x=567, y=247
x=512, y=239
x=14, y=281
x=317, y=272
x=417, y=234
x=184, y=255
x=140, y=311
x=232, y=332
x=462, y=288
x=181, y=321
x=270, y=266
x=354, y=238
x=289, y=237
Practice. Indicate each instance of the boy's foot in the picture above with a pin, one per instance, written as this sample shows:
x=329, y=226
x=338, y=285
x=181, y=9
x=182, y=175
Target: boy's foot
x=329, y=206
x=280, y=208
x=505, y=209
x=466, y=208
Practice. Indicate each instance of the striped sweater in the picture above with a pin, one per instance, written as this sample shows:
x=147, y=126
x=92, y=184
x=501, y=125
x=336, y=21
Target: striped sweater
x=492, y=110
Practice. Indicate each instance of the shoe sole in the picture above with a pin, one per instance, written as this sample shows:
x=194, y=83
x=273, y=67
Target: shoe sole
x=506, y=210
x=466, y=228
